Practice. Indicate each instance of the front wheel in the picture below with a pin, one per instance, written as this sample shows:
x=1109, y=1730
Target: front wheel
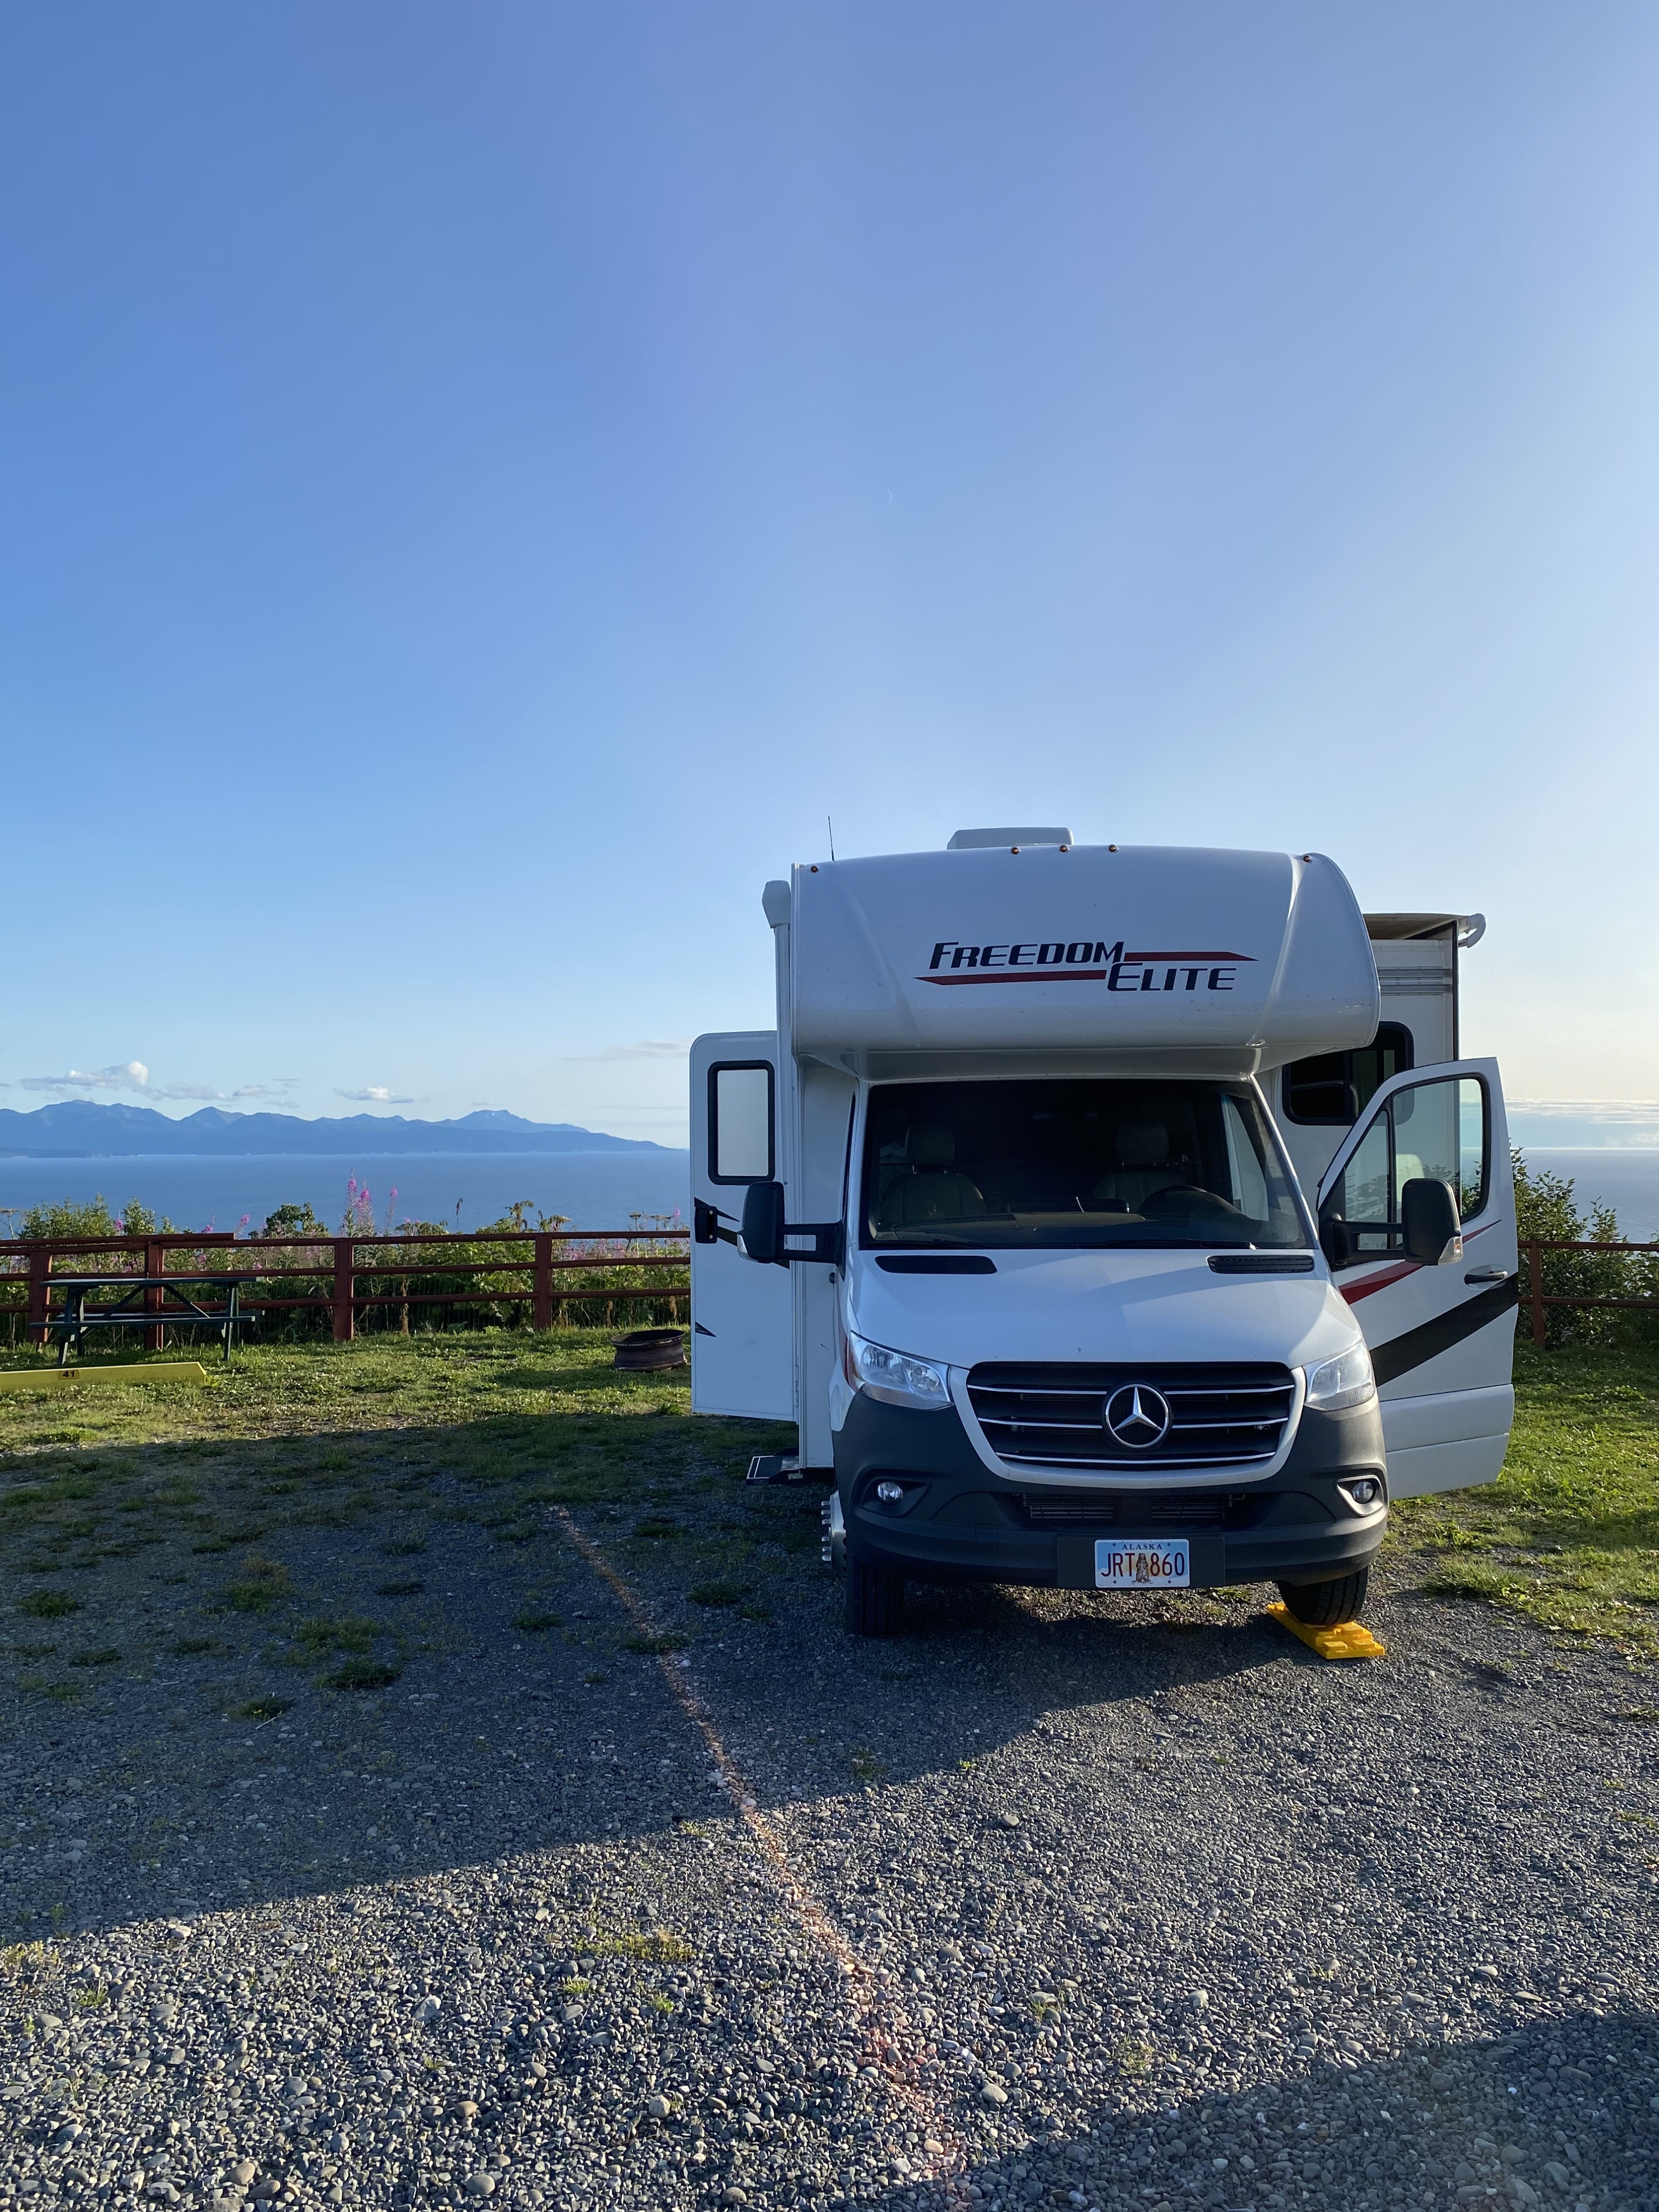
x=1325, y=1605
x=875, y=1601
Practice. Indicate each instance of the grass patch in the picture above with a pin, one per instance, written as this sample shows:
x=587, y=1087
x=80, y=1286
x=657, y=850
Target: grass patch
x=532, y=1623
x=324, y=1634
x=719, y=1592
x=262, y=1586
x=48, y=1605
x=654, y=1646
x=656, y=1946
x=262, y=1709
x=362, y=1674
x=1568, y=1535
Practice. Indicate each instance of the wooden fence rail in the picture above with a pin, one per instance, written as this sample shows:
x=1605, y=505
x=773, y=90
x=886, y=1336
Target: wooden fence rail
x=1537, y=1299
x=347, y=1275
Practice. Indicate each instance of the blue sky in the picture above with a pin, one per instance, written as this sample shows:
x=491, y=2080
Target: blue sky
x=478, y=486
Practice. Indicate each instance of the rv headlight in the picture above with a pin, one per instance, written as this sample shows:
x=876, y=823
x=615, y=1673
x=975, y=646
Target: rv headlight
x=894, y=1377
x=1345, y=1381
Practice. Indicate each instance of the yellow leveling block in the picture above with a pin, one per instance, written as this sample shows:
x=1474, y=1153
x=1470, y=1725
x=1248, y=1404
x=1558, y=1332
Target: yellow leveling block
x=62, y=1378
x=1349, y=1641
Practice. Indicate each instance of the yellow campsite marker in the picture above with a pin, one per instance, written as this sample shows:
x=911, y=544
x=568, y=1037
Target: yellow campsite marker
x=1349, y=1641
x=61, y=1379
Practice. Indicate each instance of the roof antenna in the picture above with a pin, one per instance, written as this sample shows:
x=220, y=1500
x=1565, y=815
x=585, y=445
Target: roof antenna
x=832, y=836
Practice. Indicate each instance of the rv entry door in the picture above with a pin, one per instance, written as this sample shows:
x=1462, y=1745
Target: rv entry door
x=742, y=1313
x=1417, y=1217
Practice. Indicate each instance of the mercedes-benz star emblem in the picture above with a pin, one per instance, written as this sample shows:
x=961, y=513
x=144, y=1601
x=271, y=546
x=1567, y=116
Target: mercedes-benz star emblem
x=1138, y=1416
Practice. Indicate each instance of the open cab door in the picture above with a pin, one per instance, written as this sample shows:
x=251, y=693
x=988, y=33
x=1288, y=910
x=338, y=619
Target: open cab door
x=1417, y=1218
x=742, y=1314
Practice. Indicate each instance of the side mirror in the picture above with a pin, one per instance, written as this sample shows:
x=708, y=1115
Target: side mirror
x=762, y=1223
x=1429, y=1217
x=1333, y=1239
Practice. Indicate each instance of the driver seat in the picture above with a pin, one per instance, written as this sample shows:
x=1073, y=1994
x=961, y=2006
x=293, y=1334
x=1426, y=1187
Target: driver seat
x=1143, y=1147
x=930, y=1191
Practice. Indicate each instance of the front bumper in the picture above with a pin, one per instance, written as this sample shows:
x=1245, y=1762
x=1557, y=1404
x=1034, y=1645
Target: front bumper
x=960, y=1522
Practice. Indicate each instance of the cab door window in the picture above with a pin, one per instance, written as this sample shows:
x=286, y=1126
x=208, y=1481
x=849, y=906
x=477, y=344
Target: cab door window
x=1441, y=1130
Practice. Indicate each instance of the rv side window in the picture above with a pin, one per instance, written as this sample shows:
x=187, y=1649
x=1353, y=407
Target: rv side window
x=740, y=1146
x=1333, y=1089
x=1441, y=1130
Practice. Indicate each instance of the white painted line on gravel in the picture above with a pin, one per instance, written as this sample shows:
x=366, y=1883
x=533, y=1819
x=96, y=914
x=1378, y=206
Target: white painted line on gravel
x=896, y=2046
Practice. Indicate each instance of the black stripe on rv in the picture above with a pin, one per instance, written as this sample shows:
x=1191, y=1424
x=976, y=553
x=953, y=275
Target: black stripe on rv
x=1401, y=1353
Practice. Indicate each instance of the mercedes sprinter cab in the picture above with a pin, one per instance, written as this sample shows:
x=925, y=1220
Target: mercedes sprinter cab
x=1105, y=1219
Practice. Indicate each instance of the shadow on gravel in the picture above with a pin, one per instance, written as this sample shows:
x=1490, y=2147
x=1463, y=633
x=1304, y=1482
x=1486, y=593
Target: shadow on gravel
x=237, y=1670
x=247, y=1668
x=1556, y=2115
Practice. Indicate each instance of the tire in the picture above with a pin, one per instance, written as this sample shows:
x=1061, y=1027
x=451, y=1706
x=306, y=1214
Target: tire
x=875, y=1601
x=1325, y=1605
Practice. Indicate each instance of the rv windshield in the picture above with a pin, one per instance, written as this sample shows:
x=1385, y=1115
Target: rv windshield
x=1074, y=1162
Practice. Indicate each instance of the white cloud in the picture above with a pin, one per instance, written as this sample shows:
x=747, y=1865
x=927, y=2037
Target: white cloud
x=647, y=1048
x=374, y=1094
x=128, y=1075
x=1639, y=1113
x=132, y=1075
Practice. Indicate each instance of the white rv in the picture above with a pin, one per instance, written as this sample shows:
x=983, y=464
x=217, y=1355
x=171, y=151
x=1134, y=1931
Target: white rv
x=1105, y=1218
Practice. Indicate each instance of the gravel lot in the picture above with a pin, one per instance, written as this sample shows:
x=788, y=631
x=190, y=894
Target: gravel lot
x=1062, y=1901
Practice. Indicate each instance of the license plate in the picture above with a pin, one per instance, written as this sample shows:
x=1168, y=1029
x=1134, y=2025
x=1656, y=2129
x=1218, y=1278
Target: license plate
x=1160, y=1563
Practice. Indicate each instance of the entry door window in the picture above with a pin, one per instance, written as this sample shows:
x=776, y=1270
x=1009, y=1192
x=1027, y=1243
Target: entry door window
x=740, y=1145
x=1441, y=1130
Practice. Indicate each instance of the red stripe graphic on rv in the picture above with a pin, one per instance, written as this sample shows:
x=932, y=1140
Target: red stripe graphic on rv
x=1379, y=1281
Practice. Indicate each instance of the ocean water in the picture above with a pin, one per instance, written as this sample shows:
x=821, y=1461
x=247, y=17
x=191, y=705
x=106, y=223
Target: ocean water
x=1625, y=1177
x=597, y=1190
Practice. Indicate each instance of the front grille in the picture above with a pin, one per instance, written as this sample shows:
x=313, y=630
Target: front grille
x=1054, y=1415
x=1129, y=1509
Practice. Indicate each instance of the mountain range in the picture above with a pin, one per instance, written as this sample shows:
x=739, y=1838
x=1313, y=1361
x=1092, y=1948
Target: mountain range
x=80, y=1129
